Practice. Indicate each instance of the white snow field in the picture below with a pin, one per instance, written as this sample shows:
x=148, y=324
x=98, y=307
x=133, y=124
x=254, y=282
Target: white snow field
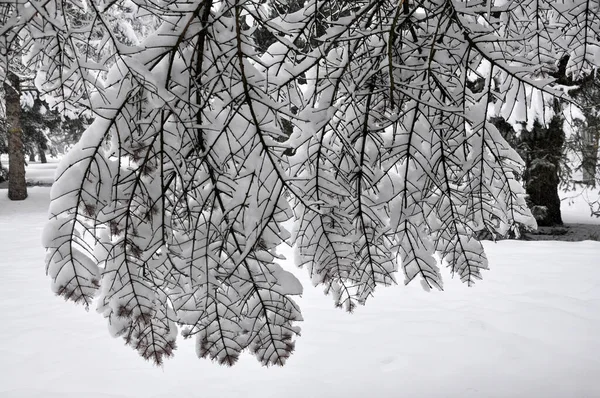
x=530, y=329
x=41, y=173
x=35, y=172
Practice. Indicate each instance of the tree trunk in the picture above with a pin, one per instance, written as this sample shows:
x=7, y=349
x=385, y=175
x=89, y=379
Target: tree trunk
x=545, y=145
x=589, y=157
x=542, y=189
x=31, y=156
x=1, y=172
x=42, y=155
x=17, y=188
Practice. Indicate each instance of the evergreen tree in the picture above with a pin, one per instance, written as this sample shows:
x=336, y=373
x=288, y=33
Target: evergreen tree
x=67, y=133
x=586, y=136
x=11, y=69
x=3, y=148
x=542, y=148
x=38, y=122
x=17, y=187
x=544, y=155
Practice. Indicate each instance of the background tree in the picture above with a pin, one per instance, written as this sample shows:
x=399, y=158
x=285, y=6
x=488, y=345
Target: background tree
x=38, y=124
x=11, y=68
x=67, y=133
x=186, y=177
x=17, y=187
x=586, y=135
x=557, y=152
x=3, y=143
x=544, y=148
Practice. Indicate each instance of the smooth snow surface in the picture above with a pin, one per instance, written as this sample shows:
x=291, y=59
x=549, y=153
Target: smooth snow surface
x=41, y=173
x=575, y=206
x=529, y=329
x=35, y=172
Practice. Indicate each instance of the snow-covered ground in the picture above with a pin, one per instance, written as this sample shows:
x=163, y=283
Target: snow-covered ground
x=529, y=329
x=41, y=173
x=36, y=173
x=575, y=208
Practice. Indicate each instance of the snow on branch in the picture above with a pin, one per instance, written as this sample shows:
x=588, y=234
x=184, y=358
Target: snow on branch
x=365, y=122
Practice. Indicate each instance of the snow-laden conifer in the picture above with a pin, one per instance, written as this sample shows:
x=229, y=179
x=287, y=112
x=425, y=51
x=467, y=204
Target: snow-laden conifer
x=360, y=121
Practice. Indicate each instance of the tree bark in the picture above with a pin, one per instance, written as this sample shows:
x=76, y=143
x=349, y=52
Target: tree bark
x=590, y=156
x=1, y=172
x=541, y=174
x=543, y=194
x=17, y=188
x=42, y=155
